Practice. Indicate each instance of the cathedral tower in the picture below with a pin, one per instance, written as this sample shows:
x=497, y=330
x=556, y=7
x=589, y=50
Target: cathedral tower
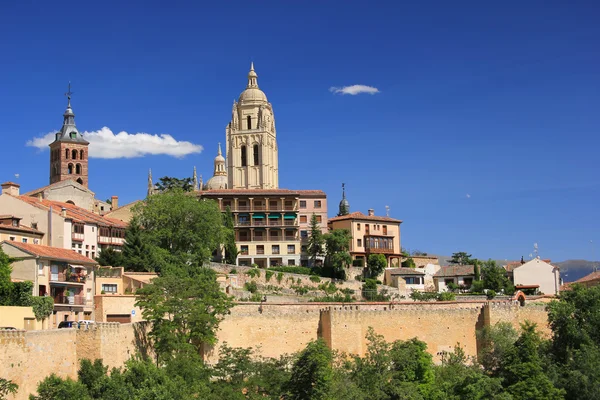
x=252, y=161
x=69, y=151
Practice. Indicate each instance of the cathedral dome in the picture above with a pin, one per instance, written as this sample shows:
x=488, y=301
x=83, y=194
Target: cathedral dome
x=253, y=94
x=217, y=182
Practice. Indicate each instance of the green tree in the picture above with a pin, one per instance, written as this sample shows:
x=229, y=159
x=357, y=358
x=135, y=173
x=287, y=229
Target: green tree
x=179, y=231
x=376, y=264
x=134, y=256
x=338, y=255
x=110, y=257
x=477, y=269
x=231, y=251
x=409, y=263
x=495, y=343
x=184, y=311
x=6, y=285
x=312, y=373
x=170, y=183
x=7, y=387
x=316, y=241
x=54, y=387
x=494, y=276
x=461, y=258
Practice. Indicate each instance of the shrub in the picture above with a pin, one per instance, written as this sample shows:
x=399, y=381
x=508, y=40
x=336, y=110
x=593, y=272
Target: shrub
x=279, y=277
x=253, y=273
x=446, y=296
x=423, y=296
x=314, y=278
x=294, y=270
x=453, y=287
x=300, y=290
x=233, y=271
x=409, y=263
x=369, y=291
x=328, y=288
x=491, y=294
x=251, y=286
x=358, y=263
x=254, y=265
x=269, y=275
x=477, y=287
x=338, y=298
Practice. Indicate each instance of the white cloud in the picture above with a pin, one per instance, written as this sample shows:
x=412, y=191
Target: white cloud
x=354, y=89
x=105, y=144
x=468, y=196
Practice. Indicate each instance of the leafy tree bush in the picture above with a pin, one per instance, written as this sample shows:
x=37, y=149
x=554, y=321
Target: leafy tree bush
x=268, y=275
x=423, y=296
x=110, y=257
x=316, y=241
x=490, y=294
x=409, y=263
x=253, y=273
x=312, y=373
x=338, y=249
x=376, y=263
x=233, y=271
x=7, y=387
x=446, y=296
x=477, y=287
x=231, y=251
x=42, y=307
x=251, y=286
x=453, y=287
x=315, y=279
x=293, y=270
x=279, y=277
x=53, y=387
x=359, y=262
x=134, y=256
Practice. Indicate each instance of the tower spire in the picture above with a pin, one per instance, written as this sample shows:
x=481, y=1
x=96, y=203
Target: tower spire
x=220, y=154
x=344, y=208
x=150, y=183
x=252, y=78
x=195, y=178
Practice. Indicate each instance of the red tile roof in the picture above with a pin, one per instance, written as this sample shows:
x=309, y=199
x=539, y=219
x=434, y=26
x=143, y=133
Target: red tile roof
x=405, y=271
x=38, y=190
x=511, y=266
x=456, y=270
x=77, y=214
x=21, y=229
x=591, y=277
x=360, y=216
x=10, y=184
x=53, y=253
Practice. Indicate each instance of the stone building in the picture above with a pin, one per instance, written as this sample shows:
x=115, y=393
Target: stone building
x=13, y=230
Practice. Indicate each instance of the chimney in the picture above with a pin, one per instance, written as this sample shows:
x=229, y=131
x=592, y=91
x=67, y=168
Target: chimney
x=114, y=201
x=371, y=212
x=40, y=196
x=63, y=212
x=10, y=188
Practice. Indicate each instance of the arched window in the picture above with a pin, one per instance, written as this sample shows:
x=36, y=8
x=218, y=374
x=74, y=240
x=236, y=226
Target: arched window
x=70, y=168
x=244, y=159
x=80, y=181
x=74, y=154
x=255, y=154
x=81, y=154
x=70, y=202
x=78, y=169
x=67, y=154
x=55, y=171
x=249, y=119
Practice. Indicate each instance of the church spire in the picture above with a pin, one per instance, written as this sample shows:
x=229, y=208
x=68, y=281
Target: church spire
x=344, y=208
x=252, y=78
x=68, y=131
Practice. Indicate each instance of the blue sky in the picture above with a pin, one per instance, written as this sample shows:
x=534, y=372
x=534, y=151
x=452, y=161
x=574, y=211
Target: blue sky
x=483, y=136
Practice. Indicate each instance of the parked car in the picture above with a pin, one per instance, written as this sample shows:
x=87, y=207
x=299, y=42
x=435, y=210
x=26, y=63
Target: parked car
x=68, y=324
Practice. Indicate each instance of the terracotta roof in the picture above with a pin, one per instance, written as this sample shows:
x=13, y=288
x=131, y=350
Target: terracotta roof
x=10, y=184
x=53, y=253
x=36, y=191
x=7, y=216
x=455, y=270
x=511, y=266
x=363, y=217
x=591, y=277
x=21, y=229
x=405, y=271
x=77, y=214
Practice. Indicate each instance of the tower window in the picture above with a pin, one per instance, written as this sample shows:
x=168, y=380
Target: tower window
x=244, y=159
x=249, y=119
x=80, y=181
x=67, y=154
x=70, y=168
x=255, y=154
x=81, y=154
x=74, y=154
x=78, y=169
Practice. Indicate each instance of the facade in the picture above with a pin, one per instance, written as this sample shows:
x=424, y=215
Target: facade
x=587, y=281
x=371, y=234
x=69, y=151
x=405, y=279
x=310, y=202
x=534, y=273
x=12, y=230
x=69, y=191
x=461, y=275
x=64, y=274
x=115, y=281
x=252, y=153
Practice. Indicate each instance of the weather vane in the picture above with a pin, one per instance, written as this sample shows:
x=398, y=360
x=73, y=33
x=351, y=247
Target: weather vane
x=69, y=93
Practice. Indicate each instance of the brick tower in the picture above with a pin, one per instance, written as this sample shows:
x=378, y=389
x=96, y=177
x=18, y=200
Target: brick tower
x=69, y=151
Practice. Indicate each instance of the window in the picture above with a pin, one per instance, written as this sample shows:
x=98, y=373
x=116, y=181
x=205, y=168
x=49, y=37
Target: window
x=74, y=154
x=244, y=250
x=15, y=222
x=244, y=160
x=87, y=254
x=260, y=249
x=291, y=263
x=413, y=280
x=319, y=220
x=303, y=219
x=101, y=208
x=385, y=229
x=358, y=226
x=304, y=248
x=275, y=249
x=359, y=242
x=317, y=203
x=291, y=249
x=448, y=281
x=24, y=240
x=109, y=287
x=93, y=254
x=40, y=268
x=468, y=282
x=93, y=246
x=81, y=154
x=70, y=169
x=12, y=238
x=303, y=234
x=92, y=231
x=255, y=154
x=67, y=154
x=249, y=121
x=302, y=203
x=34, y=225
x=78, y=169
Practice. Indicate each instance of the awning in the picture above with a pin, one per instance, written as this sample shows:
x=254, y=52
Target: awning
x=287, y=216
x=258, y=215
x=271, y=216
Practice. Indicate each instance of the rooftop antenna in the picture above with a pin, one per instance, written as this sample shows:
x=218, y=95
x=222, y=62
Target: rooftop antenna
x=387, y=211
x=535, y=249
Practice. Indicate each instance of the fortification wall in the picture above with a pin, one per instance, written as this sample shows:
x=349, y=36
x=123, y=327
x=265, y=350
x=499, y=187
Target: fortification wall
x=516, y=315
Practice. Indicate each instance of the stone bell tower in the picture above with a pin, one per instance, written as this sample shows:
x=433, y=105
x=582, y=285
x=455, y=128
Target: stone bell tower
x=252, y=155
x=69, y=151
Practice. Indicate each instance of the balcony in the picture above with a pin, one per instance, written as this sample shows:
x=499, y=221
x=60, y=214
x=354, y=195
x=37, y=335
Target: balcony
x=375, y=250
x=110, y=240
x=61, y=299
x=260, y=251
x=77, y=237
x=64, y=277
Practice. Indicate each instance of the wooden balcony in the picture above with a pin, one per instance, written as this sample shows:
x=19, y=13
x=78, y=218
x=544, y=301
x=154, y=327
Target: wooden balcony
x=376, y=250
x=78, y=237
x=63, y=300
x=71, y=278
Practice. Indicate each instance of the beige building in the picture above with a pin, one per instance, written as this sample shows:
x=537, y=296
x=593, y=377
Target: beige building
x=311, y=202
x=64, y=274
x=535, y=273
x=460, y=275
x=371, y=234
x=11, y=229
x=252, y=153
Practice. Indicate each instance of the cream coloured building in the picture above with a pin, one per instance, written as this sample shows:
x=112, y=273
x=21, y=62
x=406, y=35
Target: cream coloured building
x=252, y=154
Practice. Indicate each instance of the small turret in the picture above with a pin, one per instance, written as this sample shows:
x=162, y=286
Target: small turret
x=344, y=208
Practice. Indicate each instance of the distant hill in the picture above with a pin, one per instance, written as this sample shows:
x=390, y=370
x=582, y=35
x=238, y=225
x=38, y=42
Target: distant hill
x=572, y=270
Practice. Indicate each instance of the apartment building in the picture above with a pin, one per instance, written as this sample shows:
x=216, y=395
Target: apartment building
x=11, y=229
